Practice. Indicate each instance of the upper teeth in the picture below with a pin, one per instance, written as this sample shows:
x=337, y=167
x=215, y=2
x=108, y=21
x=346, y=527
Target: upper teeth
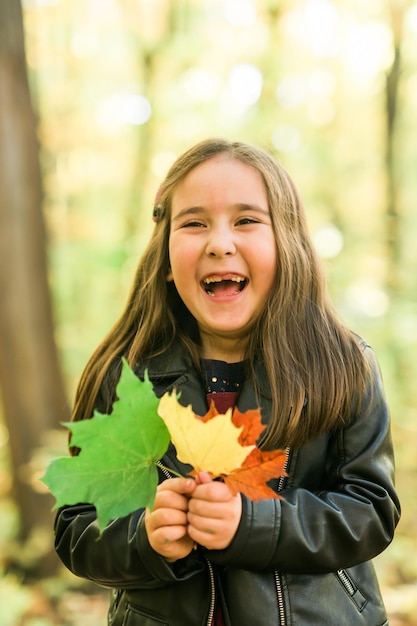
x=218, y=279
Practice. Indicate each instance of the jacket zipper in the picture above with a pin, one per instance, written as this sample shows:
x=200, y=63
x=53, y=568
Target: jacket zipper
x=278, y=581
x=212, y=604
x=212, y=594
x=354, y=592
x=163, y=469
x=283, y=479
x=346, y=582
x=280, y=598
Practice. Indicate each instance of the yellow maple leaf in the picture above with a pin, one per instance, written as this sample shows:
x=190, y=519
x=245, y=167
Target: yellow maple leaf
x=211, y=446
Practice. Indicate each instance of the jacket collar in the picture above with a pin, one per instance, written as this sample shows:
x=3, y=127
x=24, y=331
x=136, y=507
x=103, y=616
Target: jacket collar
x=173, y=362
x=175, y=369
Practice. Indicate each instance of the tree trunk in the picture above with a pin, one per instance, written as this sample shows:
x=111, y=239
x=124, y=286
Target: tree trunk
x=30, y=379
x=393, y=217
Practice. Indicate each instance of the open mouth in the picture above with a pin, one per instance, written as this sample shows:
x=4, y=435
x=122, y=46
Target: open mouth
x=220, y=286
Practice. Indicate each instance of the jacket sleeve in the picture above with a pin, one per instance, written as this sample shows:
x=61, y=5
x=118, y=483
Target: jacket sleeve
x=347, y=518
x=121, y=556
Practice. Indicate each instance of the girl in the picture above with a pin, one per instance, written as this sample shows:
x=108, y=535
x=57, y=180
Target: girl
x=229, y=303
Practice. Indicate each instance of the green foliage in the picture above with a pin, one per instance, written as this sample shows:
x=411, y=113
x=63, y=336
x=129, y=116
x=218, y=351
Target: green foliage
x=322, y=108
x=115, y=469
x=14, y=600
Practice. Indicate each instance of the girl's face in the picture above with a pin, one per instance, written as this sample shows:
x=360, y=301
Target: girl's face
x=222, y=251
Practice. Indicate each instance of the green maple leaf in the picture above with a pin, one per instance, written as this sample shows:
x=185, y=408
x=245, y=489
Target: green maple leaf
x=115, y=469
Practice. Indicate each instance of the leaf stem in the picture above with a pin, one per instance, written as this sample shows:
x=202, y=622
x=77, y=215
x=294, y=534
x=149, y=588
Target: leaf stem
x=169, y=470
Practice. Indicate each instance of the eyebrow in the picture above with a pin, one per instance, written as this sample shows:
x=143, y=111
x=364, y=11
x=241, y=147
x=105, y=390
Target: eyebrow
x=241, y=206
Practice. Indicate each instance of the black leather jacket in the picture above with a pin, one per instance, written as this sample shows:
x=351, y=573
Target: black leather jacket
x=303, y=560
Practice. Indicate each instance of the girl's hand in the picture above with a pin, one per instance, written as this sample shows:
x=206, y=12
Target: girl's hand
x=213, y=513
x=166, y=525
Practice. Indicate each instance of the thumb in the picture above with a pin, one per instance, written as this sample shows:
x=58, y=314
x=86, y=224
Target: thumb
x=203, y=478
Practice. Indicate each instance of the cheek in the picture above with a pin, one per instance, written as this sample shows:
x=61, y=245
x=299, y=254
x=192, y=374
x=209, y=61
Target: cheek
x=179, y=264
x=183, y=256
x=172, y=258
x=269, y=270
x=265, y=257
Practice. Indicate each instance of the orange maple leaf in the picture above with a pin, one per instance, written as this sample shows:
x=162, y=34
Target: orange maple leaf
x=251, y=422
x=252, y=425
x=212, y=412
x=259, y=466
x=257, y=469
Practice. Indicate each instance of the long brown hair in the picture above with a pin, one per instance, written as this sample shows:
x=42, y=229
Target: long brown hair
x=315, y=366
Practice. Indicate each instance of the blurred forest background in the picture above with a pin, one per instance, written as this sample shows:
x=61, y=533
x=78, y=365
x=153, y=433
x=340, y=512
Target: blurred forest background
x=97, y=97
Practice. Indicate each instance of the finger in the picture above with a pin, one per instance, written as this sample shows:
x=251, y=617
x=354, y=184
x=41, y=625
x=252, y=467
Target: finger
x=222, y=512
x=172, y=542
x=199, y=511
x=169, y=534
x=216, y=528
x=206, y=509
x=212, y=535
x=213, y=491
x=174, y=546
x=174, y=493
x=178, y=485
x=170, y=500
x=168, y=517
x=203, y=478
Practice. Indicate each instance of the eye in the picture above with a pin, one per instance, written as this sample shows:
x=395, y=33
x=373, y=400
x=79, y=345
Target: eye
x=193, y=224
x=246, y=220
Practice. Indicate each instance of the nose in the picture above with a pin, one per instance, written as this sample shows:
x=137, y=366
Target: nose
x=220, y=243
